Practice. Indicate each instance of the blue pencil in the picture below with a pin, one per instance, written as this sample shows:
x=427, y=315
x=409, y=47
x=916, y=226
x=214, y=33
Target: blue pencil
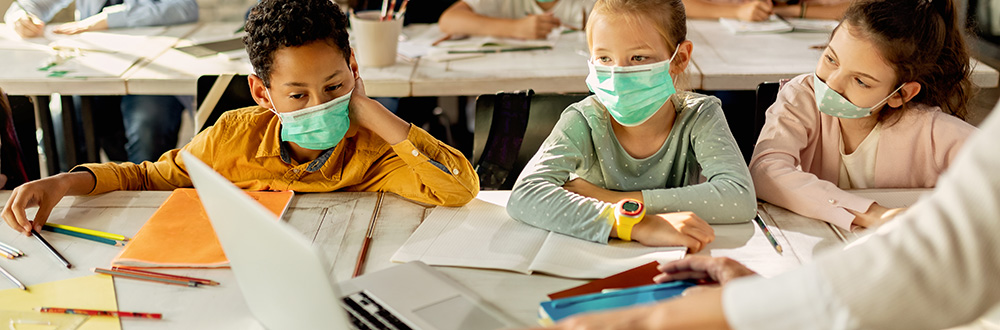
x=84, y=236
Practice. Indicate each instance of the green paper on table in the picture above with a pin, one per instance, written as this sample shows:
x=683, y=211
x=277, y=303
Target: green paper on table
x=553, y=311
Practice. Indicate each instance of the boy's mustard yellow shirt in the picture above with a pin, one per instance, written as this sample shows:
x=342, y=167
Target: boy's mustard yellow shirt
x=245, y=147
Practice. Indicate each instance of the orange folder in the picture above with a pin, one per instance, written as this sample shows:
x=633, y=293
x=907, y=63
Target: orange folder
x=639, y=276
x=180, y=235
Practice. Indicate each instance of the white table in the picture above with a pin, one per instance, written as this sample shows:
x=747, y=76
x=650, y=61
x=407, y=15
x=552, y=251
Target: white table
x=336, y=222
x=741, y=62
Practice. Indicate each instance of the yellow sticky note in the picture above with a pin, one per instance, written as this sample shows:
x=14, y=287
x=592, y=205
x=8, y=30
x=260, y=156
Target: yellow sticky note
x=88, y=292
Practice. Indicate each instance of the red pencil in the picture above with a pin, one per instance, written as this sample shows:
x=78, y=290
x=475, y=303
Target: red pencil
x=134, y=276
x=201, y=281
x=93, y=312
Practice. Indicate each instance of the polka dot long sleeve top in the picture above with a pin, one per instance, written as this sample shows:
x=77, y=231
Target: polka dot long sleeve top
x=699, y=168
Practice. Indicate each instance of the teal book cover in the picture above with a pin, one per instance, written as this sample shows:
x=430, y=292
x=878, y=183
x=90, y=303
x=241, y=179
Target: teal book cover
x=555, y=310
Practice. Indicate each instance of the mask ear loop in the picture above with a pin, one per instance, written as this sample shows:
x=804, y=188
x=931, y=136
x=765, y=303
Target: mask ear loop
x=886, y=99
x=273, y=108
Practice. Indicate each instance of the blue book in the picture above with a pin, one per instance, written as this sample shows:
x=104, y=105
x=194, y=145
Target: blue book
x=555, y=310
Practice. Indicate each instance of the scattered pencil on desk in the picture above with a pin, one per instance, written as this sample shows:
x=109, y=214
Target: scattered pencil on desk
x=90, y=232
x=12, y=279
x=10, y=250
x=200, y=281
x=51, y=249
x=83, y=236
x=767, y=233
x=149, y=278
x=94, y=312
x=363, y=254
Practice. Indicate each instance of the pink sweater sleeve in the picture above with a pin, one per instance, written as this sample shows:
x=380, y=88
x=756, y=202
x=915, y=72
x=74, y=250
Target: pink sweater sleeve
x=790, y=145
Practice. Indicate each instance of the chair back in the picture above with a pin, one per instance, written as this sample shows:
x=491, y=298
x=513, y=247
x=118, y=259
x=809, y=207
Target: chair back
x=509, y=129
x=217, y=94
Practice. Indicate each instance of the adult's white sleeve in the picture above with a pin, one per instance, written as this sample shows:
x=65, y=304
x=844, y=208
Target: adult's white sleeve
x=935, y=266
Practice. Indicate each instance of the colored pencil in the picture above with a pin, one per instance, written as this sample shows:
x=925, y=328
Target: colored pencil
x=50, y=248
x=392, y=8
x=363, y=254
x=145, y=277
x=385, y=10
x=402, y=9
x=11, y=249
x=201, y=281
x=767, y=233
x=90, y=232
x=6, y=254
x=12, y=279
x=83, y=236
x=94, y=312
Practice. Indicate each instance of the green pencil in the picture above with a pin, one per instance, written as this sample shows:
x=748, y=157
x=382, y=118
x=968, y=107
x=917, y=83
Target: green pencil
x=83, y=236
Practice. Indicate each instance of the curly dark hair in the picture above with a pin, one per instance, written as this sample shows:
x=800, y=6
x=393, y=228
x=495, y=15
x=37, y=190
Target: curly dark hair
x=273, y=24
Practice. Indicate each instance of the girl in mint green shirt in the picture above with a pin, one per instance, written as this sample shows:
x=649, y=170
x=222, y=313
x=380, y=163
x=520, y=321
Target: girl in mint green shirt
x=637, y=138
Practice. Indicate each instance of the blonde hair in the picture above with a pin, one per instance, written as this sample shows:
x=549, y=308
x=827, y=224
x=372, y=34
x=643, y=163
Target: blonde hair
x=667, y=16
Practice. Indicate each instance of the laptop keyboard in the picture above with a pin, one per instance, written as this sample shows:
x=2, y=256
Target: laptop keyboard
x=366, y=314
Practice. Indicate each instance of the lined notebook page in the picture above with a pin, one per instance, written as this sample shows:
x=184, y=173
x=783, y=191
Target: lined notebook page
x=478, y=235
x=576, y=258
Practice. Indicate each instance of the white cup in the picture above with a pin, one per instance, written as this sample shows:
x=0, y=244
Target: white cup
x=376, y=40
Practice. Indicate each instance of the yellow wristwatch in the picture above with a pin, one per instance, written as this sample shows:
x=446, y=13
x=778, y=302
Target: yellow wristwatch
x=628, y=212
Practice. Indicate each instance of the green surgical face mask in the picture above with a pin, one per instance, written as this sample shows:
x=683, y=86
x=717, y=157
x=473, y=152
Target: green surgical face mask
x=318, y=127
x=832, y=103
x=632, y=94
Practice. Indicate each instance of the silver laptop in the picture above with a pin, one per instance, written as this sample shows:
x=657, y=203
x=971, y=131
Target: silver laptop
x=284, y=279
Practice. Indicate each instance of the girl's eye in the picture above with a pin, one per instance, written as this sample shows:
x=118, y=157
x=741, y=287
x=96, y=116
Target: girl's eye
x=604, y=59
x=333, y=88
x=639, y=58
x=861, y=83
x=296, y=96
x=829, y=59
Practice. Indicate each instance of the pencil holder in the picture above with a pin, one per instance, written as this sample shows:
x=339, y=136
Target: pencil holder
x=375, y=40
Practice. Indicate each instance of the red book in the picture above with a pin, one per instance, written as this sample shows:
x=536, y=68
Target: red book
x=639, y=276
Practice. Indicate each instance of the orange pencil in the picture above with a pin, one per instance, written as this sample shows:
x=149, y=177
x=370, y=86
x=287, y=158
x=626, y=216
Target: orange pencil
x=368, y=237
x=94, y=312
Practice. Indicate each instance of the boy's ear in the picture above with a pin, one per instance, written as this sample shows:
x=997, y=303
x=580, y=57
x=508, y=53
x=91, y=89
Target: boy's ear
x=258, y=91
x=682, y=59
x=353, y=62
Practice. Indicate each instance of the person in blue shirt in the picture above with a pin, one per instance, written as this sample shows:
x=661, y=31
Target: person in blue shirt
x=96, y=15
x=151, y=121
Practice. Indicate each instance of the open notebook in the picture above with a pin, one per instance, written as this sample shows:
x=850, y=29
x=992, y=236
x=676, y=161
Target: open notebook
x=482, y=235
x=179, y=234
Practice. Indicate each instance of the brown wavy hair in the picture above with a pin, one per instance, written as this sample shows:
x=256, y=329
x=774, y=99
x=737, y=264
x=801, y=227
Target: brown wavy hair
x=922, y=41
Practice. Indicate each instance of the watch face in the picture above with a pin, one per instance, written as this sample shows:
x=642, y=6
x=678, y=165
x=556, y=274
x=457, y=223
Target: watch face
x=631, y=207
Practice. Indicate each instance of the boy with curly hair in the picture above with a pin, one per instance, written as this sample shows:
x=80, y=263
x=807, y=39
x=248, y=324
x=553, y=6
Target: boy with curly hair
x=313, y=130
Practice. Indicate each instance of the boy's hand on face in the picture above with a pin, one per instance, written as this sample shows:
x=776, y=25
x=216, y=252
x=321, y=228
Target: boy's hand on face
x=677, y=228
x=535, y=26
x=371, y=115
x=45, y=194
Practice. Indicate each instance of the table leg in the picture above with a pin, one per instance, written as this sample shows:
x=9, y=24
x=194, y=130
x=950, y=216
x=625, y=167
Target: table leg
x=48, y=133
x=69, y=130
x=89, y=139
